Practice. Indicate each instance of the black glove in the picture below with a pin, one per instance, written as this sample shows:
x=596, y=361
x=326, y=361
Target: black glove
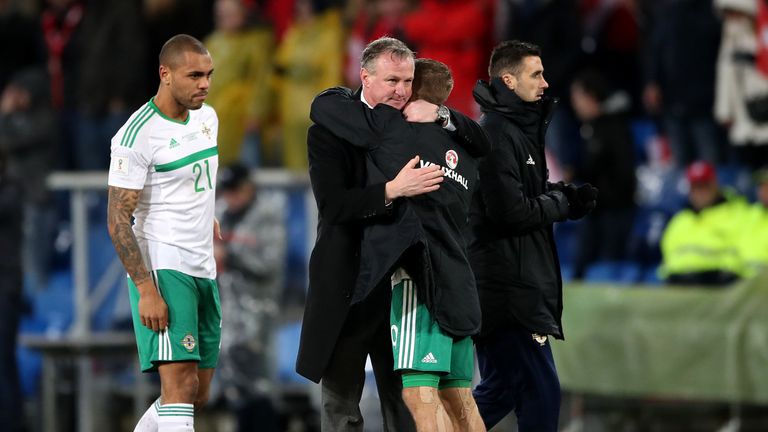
x=583, y=202
x=587, y=193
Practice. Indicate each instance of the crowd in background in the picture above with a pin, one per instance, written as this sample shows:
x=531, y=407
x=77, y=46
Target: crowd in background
x=694, y=73
x=662, y=102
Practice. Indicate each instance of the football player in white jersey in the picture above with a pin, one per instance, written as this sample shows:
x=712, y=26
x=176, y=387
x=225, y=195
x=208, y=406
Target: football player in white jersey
x=162, y=173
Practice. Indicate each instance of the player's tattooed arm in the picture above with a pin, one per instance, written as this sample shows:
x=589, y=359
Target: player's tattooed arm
x=122, y=203
x=153, y=311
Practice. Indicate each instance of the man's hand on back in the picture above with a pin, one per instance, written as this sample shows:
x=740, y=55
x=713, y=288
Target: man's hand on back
x=420, y=111
x=411, y=181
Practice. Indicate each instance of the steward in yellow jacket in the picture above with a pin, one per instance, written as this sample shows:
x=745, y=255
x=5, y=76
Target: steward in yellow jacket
x=699, y=245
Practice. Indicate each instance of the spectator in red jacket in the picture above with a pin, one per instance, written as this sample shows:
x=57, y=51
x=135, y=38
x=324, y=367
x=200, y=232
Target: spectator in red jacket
x=457, y=33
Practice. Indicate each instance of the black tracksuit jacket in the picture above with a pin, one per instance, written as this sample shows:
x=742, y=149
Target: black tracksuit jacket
x=511, y=246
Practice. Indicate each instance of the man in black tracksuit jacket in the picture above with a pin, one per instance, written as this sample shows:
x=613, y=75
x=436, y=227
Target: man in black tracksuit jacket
x=426, y=234
x=512, y=247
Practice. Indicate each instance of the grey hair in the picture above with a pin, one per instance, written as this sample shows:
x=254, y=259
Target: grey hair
x=383, y=45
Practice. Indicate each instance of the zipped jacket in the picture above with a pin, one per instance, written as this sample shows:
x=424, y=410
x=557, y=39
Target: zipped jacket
x=512, y=247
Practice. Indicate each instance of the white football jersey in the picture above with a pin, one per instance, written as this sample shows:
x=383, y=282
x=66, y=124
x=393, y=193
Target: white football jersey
x=174, y=165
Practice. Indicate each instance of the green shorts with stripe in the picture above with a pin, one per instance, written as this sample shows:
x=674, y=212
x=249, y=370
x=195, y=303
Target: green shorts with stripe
x=418, y=342
x=194, y=322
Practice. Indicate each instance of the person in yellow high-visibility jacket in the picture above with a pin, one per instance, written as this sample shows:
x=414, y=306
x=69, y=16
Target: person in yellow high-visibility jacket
x=753, y=244
x=699, y=245
x=242, y=95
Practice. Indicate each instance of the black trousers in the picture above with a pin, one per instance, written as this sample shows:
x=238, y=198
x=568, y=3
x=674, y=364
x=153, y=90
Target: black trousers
x=365, y=333
x=10, y=314
x=517, y=373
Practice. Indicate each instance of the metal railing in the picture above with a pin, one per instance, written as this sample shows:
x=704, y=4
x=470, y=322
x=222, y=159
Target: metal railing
x=80, y=342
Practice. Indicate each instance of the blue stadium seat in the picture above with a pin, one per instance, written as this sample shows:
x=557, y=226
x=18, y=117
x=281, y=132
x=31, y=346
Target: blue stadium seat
x=618, y=272
x=564, y=238
x=600, y=272
x=30, y=363
x=296, y=249
x=287, y=348
x=53, y=306
x=643, y=131
x=651, y=276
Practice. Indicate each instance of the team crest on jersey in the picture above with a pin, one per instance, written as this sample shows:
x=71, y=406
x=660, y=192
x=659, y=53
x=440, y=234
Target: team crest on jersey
x=188, y=342
x=393, y=334
x=451, y=159
x=541, y=339
x=206, y=131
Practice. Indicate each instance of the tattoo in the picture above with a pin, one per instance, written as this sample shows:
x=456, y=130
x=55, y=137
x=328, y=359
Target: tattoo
x=122, y=203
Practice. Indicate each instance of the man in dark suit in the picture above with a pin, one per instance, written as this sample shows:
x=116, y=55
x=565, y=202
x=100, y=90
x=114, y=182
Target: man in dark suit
x=337, y=336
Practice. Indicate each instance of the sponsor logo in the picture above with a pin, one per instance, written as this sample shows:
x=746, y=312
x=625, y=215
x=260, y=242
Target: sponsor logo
x=530, y=160
x=451, y=159
x=173, y=143
x=188, y=342
x=429, y=358
x=448, y=172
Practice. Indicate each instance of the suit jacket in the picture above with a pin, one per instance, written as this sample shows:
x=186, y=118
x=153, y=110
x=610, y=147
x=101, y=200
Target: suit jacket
x=345, y=203
x=429, y=227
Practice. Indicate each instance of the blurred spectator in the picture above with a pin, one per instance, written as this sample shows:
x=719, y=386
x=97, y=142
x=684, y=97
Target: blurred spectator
x=680, y=77
x=456, y=33
x=280, y=14
x=608, y=164
x=166, y=18
x=60, y=23
x=554, y=26
x=27, y=139
x=111, y=38
x=753, y=244
x=611, y=42
x=250, y=262
x=20, y=42
x=308, y=60
x=370, y=20
x=742, y=91
x=698, y=244
x=241, y=96
x=11, y=413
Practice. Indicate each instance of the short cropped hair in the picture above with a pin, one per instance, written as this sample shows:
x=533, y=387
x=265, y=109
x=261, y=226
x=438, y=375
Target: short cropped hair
x=507, y=57
x=432, y=81
x=384, y=45
x=177, y=45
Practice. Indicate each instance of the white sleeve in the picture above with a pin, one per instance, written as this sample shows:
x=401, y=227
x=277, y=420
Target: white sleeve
x=129, y=165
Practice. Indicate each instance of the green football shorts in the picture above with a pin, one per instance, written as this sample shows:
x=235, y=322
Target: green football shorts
x=194, y=322
x=418, y=342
